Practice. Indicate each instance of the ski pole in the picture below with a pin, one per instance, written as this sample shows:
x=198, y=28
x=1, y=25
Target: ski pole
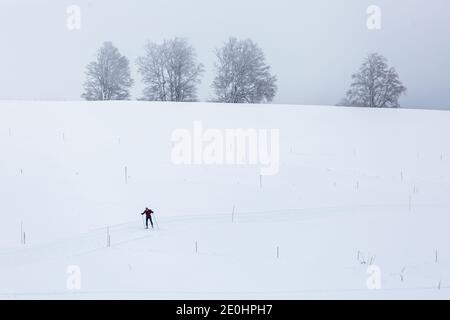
x=143, y=222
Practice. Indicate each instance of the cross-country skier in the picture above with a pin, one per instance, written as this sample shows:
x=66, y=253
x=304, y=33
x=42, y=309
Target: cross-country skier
x=148, y=216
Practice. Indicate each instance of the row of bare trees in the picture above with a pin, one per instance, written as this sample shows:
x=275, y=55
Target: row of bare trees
x=170, y=72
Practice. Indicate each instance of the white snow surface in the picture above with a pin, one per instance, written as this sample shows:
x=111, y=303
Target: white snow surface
x=373, y=181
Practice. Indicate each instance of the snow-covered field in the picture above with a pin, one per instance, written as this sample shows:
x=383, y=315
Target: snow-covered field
x=354, y=186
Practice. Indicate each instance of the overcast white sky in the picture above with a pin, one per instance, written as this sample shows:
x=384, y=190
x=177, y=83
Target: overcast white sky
x=313, y=46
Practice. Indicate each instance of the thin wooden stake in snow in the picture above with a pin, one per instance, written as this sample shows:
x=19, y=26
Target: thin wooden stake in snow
x=196, y=246
x=436, y=257
x=278, y=252
x=126, y=175
x=22, y=236
x=108, y=237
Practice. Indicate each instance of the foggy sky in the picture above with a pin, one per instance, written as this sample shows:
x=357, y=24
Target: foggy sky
x=312, y=46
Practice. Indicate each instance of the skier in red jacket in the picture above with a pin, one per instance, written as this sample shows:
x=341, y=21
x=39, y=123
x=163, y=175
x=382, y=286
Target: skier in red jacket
x=148, y=216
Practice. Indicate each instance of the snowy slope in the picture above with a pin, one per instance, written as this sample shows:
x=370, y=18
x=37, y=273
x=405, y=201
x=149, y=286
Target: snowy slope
x=350, y=180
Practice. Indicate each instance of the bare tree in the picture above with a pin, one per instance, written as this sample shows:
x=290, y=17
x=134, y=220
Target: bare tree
x=108, y=78
x=170, y=71
x=242, y=75
x=375, y=85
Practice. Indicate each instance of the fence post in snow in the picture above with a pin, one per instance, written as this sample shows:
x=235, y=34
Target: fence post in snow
x=436, y=257
x=22, y=234
x=108, y=237
x=126, y=175
x=196, y=246
x=278, y=252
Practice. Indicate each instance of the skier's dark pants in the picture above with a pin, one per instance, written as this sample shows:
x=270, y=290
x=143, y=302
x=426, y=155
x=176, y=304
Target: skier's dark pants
x=146, y=221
